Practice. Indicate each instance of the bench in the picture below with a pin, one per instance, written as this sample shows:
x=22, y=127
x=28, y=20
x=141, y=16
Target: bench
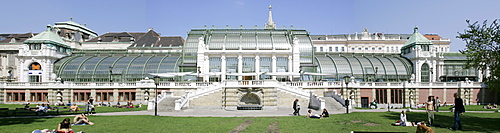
x=25, y=110
x=5, y=110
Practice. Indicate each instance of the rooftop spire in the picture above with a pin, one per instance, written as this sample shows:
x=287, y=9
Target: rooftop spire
x=270, y=23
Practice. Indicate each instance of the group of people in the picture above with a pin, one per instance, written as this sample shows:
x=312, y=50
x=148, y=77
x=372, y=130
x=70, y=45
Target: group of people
x=489, y=106
x=432, y=106
x=40, y=108
x=65, y=125
x=296, y=108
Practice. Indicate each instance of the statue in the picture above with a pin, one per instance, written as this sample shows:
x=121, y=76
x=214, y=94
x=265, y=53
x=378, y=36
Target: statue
x=201, y=42
x=295, y=40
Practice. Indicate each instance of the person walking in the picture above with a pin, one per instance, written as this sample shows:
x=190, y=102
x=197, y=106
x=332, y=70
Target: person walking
x=296, y=107
x=438, y=104
x=429, y=109
x=459, y=110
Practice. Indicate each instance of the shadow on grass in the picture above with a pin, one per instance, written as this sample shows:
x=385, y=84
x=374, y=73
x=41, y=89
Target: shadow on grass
x=477, y=122
x=14, y=121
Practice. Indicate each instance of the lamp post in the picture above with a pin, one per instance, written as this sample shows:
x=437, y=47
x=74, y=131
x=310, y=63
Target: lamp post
x=110, y=72
x=10, y=74
x=432, y=73
x=404, y=94
x=346, y=81
x=198, y=72
x=157, y=82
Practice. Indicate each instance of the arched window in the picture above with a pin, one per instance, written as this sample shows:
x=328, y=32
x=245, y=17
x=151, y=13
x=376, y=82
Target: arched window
x=424, y=73
x=35, y=66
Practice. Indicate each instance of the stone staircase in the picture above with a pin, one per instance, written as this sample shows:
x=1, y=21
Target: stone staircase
x=332, y=105
x=167, y=104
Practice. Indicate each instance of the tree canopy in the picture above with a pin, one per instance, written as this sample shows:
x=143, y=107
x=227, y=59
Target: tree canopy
x=483, y=50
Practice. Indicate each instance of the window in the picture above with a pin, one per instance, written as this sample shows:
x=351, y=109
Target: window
x=321, y=49
x=373, y=49
x=330, y=49
x=215, y=63
x=366, y=48
x=282, y=64
x=265, y=66
x=314, y=48
x=81, y=96
x=397, y=96
x=35, y=66
x=104, y=95
x=337, y=49
x=35, y=78
x=39, y=96
x=35, y=46
x=343, y=49
x=381, y=96
x=249, y=65
x=425, y=47
x=16, y=96
x=126, y=96
x=425, y=73
x=231, y=67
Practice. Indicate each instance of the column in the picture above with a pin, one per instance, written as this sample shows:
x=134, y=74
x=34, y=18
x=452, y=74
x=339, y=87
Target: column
x=240, y=67
x=273, y=66
x=290, y=67
x=223, y=68
x=116, y=95
x=257, y=67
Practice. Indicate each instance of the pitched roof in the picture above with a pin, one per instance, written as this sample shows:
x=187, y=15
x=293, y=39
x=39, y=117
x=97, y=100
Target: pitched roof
x=417, y=38
x=46, y=37
x=120, y=36
x=153, y=39
x=6, y=38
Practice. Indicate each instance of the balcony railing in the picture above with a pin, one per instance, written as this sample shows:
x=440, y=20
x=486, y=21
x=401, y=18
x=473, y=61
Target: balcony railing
x=238, y=83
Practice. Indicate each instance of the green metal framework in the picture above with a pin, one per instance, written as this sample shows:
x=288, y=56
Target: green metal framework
x=381, y=67
x=119, y=67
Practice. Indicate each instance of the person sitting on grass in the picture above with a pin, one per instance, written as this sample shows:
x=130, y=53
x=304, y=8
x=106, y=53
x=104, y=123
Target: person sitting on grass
x=311, y=115
x=74, y=108
x=82, y=119
x=325, y=114
x=64, y=126
x=41, y=109
x=374, y=104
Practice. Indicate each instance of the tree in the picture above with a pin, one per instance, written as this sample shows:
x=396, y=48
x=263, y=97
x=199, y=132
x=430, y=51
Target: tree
x=483, y=50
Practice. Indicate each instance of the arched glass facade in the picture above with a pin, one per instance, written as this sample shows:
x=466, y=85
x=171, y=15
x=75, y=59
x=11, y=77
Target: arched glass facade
x=376, y=67
x=120, y=68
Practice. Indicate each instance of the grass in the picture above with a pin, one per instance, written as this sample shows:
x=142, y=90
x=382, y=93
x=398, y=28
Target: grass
x=357, y=121
x=12, y=107
x=467, y=108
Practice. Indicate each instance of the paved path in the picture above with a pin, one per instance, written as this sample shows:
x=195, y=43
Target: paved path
x=251, y=113
x=234, y=113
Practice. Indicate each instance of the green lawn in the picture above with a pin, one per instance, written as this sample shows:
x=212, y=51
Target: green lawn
x=467, y=108
x=12, y=107
x=357, y=121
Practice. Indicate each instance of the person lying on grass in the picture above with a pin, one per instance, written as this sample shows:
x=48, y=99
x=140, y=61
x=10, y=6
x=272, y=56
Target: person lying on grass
x=82, y=119
x=311, y=115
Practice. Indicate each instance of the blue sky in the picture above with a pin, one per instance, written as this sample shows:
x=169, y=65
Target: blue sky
x=319, y=17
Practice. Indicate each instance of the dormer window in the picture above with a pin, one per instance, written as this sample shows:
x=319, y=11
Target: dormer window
x=115, y=39
x=13, y=40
